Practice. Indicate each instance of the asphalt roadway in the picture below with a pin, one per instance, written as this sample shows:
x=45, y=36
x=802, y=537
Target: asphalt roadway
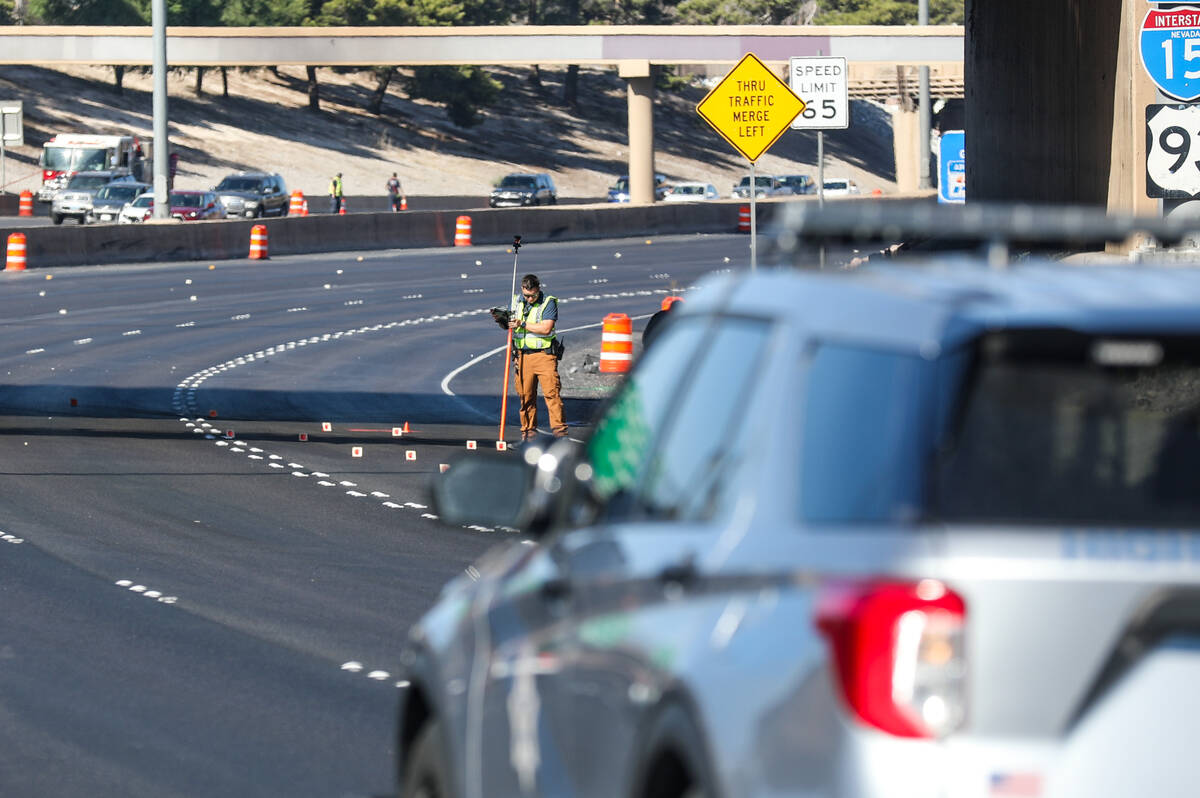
x=195, y=602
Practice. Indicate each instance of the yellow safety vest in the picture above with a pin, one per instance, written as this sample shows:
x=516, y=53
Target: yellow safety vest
x=335, y=187
x=522, y=338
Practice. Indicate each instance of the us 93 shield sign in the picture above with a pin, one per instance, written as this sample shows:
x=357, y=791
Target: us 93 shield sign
x=1173, y=151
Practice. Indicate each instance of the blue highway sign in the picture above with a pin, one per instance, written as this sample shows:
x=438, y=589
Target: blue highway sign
x=1170, y=48
x=952, y=167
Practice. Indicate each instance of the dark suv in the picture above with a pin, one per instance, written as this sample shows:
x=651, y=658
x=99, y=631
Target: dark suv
x=253, y=194
x=524, y=189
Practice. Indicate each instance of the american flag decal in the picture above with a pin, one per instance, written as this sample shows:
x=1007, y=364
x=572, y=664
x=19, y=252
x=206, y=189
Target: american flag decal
x=1014, y=785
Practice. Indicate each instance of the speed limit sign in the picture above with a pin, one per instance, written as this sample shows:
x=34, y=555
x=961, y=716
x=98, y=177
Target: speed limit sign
x=823, y=83
x=1173, y=151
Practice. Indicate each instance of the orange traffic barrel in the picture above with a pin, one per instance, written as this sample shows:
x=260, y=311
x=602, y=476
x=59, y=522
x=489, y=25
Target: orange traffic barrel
x=462, y=231
x=744, y=219
x=296, y=206
x=26, y=206
x=258, y=242
x=16, y=253
x=616, y=343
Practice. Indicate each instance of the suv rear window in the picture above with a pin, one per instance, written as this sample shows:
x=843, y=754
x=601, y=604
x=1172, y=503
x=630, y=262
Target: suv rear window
x=1064, y=428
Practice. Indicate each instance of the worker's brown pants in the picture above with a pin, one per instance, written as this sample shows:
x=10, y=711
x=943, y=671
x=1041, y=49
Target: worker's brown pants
x=533, y=368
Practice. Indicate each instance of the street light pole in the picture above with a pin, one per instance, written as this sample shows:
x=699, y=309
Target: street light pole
x=923, y=105
x=158, y=18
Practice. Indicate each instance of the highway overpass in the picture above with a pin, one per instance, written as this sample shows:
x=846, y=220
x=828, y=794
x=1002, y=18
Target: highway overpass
x=1055, y=92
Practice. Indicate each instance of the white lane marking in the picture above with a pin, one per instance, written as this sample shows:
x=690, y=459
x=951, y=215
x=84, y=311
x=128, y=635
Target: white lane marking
x=379, y=676
x=132, y=332
x=352, y=666
x=184, y=397
x=37, y=351
x=82, y=341
x=146, y=592
x=356, y=494
x=327, y=484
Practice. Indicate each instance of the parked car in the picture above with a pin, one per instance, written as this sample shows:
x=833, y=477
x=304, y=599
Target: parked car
x=799, y=184
x=896, y=531
x=253, y=194
x=764, y=186
x=74, y=200
x=191, y=206
x=524, y=189
x=692, y=192
x=840, y=187
x=137, y=210
x=111, y=198
x=619, y=192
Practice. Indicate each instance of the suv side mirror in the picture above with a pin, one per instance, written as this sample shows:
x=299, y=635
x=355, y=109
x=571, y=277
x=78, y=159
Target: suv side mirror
x=485, y=488
x=537, y=490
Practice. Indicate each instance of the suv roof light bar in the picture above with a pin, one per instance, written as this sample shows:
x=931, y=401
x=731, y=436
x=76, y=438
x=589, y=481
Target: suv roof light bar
x=1005, y=225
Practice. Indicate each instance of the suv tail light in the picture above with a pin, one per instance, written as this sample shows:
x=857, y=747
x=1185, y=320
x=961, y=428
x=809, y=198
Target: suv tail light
x=898, y=652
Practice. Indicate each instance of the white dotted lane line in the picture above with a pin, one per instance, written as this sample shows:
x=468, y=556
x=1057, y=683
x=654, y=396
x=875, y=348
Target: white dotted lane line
x=184, y=398
x=377, y=675
x=7, y=538
x=157, y=595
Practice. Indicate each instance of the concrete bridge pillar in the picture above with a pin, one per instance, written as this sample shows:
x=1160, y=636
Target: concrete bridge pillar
x=639, y=91
x=1056, y=100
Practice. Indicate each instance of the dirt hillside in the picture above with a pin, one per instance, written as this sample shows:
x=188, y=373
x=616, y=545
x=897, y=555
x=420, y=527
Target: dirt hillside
x=265, y=124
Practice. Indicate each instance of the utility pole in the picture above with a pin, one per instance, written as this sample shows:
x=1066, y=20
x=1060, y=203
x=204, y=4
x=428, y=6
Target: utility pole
x=162, y=202
x=923, y=106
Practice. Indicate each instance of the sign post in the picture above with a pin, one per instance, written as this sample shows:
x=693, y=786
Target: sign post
x=12, y=134
x=751, y=108
x=823, y=83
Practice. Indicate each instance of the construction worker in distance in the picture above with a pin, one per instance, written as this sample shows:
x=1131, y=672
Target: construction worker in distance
x=335, y=193
x=395, y=192
x=536, y=349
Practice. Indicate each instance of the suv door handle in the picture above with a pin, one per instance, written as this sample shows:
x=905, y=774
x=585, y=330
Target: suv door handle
x=681, y=573
x=556, y=589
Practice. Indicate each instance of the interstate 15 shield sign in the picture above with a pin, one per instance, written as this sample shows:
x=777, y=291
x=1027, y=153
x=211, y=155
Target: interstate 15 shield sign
x=1170, y=48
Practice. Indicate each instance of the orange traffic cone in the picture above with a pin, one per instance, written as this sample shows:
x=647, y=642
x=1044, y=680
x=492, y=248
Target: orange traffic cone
x=342, y=209
x=403, y=203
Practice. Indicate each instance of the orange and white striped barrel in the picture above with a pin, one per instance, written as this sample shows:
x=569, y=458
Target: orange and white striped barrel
x=296, y=206
x=616, y=343
x=16, y=253
x=26, y=205
x=258, y=242
x=462, y=231
x=744, y=219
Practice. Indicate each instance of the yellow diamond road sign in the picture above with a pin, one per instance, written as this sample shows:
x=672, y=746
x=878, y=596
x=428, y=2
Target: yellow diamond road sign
x=750, y=107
